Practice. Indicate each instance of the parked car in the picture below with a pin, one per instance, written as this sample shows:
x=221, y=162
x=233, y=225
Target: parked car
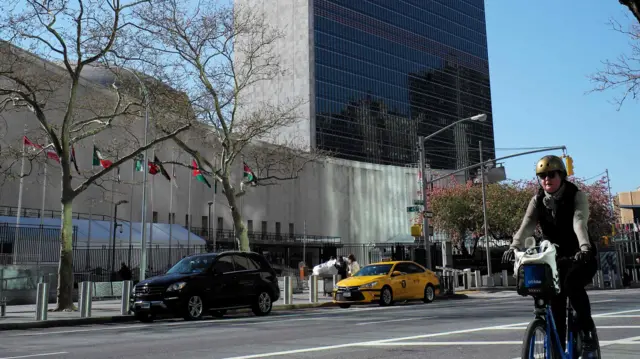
x=209, y=283
x=386, y=282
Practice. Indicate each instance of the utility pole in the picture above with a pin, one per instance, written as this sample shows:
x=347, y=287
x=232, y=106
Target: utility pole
x=484, y=214
x=423, y=190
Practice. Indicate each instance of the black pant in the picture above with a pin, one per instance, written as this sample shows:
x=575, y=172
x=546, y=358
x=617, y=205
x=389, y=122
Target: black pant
x=574, y=277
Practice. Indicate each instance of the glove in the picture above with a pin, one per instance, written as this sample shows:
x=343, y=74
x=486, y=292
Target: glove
x=584, y=255
x=509, y=255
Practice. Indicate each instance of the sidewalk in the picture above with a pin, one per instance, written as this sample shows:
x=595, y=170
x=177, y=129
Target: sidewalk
x=108, y=311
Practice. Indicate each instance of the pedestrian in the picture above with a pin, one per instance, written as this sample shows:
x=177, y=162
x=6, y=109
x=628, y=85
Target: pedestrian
x=354, y=267
x=341, y=266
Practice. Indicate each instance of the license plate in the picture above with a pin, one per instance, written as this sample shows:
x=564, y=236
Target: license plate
x=347, y=294
x=145, y=305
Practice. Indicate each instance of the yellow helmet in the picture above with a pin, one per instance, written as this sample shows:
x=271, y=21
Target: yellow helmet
x=551, y=163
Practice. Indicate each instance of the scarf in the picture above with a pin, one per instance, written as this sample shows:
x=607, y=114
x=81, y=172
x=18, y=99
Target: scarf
x=550, y=199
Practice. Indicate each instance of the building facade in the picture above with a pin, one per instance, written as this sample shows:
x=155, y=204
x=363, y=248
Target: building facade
x=629, y=204
x=377, y=74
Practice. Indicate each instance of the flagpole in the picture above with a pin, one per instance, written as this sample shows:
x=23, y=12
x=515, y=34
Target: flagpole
x=87, y=260
x=189, y=215
x=173, y=172
x=133, y=187
x=153, y=187
x=44, y=197
x=15, y=243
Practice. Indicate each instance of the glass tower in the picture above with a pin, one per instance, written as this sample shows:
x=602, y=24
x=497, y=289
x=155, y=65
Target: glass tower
x=388, y=71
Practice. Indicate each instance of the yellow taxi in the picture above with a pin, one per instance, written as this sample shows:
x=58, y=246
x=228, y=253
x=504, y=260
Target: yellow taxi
x=387, y=282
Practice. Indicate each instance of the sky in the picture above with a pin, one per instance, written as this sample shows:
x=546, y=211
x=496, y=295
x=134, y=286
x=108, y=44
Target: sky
x=540, y=56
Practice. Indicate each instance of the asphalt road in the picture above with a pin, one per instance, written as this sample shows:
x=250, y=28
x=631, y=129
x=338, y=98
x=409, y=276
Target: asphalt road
x=482, y=327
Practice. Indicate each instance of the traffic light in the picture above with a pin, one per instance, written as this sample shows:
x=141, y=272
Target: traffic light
x=569, y=165
x=416, y=230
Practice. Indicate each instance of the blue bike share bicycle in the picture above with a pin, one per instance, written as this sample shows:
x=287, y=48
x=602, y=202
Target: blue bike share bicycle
x=537, y=276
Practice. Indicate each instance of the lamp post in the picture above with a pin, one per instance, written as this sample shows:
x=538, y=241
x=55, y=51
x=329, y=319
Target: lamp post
x=145, y=160
x=421, y=140
x=113, y=245
x=484, y=214
x=210, y=226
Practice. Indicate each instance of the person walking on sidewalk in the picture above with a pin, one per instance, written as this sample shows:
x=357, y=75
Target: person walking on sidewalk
x=354, y=267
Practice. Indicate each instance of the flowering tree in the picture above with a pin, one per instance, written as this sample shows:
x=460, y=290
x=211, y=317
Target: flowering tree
x=457, y=210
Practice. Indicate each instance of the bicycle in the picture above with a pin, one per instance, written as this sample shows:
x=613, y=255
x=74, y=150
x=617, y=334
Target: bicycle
x=537, y=276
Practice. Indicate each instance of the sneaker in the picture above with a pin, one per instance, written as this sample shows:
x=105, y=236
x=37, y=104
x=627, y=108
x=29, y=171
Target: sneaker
x=589, y=345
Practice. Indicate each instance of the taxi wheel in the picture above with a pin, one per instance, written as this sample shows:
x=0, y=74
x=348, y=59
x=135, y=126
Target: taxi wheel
x=386, y=297
x=429, y=294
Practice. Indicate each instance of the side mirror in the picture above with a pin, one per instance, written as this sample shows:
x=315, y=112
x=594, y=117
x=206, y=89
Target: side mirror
x=396, y=273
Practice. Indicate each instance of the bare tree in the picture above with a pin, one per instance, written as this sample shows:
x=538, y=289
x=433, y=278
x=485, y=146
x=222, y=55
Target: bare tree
x=64, y=39
x=216, y=54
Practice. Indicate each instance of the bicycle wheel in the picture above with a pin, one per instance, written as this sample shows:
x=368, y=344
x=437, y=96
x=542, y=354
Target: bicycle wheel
x=533, y=342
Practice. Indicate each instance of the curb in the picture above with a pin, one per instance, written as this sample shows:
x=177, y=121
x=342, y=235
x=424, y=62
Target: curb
x=52, y=323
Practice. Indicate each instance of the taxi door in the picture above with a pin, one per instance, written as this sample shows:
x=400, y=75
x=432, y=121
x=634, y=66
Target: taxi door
x=400, y=283
x=417, y=280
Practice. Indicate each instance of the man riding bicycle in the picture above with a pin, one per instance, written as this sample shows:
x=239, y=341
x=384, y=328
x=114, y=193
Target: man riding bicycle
x=562, y=211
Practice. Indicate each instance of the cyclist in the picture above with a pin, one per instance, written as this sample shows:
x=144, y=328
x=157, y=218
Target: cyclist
x=562, y=211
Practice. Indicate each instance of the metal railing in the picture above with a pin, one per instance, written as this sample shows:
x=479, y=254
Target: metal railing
x=10, y=211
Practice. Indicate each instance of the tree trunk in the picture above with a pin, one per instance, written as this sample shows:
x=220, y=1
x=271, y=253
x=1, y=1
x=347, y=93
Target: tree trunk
x=65, y=267
x=238, y=223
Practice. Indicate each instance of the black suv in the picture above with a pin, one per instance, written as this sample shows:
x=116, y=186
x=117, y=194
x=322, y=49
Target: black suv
x=212, y=282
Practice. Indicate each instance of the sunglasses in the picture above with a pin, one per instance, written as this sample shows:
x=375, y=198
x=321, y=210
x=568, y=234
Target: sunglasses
x=550, y=175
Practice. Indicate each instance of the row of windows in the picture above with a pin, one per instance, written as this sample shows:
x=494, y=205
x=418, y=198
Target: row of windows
x=427, y=53
x=459, y=11
x=399, y=87
x=398, y=98
x=385, y=67
x=356, y=27
x=419, y=19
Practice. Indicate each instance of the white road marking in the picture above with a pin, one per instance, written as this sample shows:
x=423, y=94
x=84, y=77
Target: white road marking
x=35, y=355
x=597, y=326
x=621, y=316
x=603, y=301
x=519, y=342
x=422, y=336
x=393, y=320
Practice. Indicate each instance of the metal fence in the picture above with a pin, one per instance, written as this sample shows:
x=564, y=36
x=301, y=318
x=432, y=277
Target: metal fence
x=30, y=244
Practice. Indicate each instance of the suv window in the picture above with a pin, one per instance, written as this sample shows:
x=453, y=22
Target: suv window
x=244, y=263
x=224, y=265
x=260, y=261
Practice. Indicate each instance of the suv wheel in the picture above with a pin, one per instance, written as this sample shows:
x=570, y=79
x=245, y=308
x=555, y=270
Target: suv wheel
x=263, y=304
x=194, y=307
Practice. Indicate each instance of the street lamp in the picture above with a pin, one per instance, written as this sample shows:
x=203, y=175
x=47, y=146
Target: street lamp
x=145, y=160
x=115, y=227
x=421, y=140
x=209, y=224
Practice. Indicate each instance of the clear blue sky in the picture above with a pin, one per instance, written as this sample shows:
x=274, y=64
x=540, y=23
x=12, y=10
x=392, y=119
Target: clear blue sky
x=540, y=54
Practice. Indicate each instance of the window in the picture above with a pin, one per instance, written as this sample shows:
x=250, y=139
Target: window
x=245, y=263
x=155, y=217
x=412, y=268
x=402, y=267
x=205, y=222
x=250, y=226
x=172, y=218
x=264, y=226
x=220, y=224
x=224, y=265
x=277, y=228
x=291, y=228
x=186, y=221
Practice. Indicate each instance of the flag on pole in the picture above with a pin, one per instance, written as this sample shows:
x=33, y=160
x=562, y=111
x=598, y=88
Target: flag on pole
x=137, y=163
x=156, y=166
x=99, y=159
x=198, y=174
x=249, y=175
x=48, y=152
x=73, y=158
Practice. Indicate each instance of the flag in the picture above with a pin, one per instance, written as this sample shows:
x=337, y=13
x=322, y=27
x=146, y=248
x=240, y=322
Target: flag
x=156, y=166
x=249, y=175
x=49, y=152
x=99, y=160
x=198, y=174
x=137, y=163
x=73, y=158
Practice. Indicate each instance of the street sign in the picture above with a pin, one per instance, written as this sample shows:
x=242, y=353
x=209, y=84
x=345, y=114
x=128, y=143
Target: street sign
x=427, y=214
x=413, y=209
x=418, y=202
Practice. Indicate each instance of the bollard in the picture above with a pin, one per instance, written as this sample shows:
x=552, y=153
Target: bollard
x=600, y=279
x=3, y=307
x=505, y=278
x=465, y=280
x=634, y=276
x=85, y=299
x=313, y=289
x=478, y=279
x=288, y=290
x=42, y=301
x=126, y=297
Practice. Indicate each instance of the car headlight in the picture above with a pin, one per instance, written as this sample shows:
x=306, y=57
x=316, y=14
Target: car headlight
x=369, y=285
x=176, y=286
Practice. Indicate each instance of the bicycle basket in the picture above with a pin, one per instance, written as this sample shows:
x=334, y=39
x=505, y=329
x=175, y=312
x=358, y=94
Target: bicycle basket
x=536, y=279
